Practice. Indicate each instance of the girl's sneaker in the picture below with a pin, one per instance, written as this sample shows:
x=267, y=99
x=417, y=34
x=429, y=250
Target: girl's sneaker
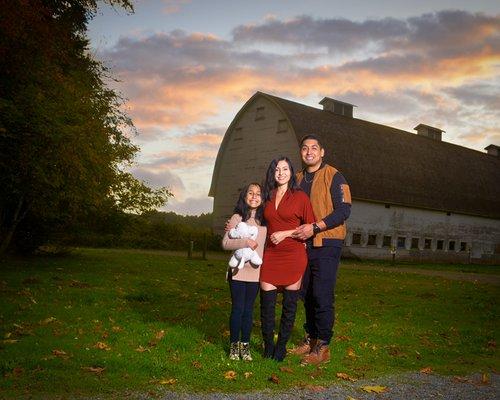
x=234, y=351
x=245, y=352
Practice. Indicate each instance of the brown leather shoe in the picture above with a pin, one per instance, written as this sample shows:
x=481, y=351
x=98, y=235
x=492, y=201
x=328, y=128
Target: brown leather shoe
x=305, y=346
x=318, y=355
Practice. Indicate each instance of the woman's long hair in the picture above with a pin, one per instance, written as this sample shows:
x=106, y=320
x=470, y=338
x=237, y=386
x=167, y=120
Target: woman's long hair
x=242, y=208
x=271, y=184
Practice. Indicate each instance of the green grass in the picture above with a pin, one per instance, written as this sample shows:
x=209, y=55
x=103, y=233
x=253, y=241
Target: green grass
x=386, y=323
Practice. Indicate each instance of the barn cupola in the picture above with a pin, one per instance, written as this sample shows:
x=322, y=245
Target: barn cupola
x=337, y=107
x=493, y=150
x=429, y=131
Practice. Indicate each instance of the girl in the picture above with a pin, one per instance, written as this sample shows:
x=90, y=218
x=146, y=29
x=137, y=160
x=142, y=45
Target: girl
x=244, y=283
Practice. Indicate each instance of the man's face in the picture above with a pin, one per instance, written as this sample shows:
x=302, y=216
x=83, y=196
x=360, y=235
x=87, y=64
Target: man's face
x=311, y=152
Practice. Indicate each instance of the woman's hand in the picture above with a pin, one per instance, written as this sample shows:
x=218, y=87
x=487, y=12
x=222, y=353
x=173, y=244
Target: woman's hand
x=279, y=236
x=252, y=244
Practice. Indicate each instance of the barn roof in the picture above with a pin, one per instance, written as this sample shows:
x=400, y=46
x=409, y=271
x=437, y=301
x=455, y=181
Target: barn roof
x=392, y=166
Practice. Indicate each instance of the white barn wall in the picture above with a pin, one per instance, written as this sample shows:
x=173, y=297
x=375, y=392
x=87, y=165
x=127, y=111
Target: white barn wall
x=480, y=234
x=252, y=143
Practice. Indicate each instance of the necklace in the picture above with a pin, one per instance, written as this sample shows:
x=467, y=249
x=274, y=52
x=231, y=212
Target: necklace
x=305, y=177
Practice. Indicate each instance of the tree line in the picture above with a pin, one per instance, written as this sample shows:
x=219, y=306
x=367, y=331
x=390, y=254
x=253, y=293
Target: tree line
x=150, y=230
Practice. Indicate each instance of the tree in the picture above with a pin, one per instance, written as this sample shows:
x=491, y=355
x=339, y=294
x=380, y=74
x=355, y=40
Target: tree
x=63, y=138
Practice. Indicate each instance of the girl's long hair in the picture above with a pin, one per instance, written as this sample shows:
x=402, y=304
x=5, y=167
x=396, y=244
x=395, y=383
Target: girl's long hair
x=271, y=184
x=242, y=208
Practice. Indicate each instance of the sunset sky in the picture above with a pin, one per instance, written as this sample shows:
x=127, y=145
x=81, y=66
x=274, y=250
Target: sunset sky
x=187, y=66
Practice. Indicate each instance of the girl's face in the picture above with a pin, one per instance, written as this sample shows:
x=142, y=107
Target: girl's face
x=282, y=173
x=253, y=197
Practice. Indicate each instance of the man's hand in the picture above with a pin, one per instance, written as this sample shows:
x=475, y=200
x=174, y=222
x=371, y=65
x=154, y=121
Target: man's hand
x=303, y=232
x=252, y=244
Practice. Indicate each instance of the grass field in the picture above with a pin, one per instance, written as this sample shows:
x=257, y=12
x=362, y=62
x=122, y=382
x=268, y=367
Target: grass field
x=120, y=323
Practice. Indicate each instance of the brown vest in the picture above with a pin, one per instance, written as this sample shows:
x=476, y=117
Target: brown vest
x=321, y=200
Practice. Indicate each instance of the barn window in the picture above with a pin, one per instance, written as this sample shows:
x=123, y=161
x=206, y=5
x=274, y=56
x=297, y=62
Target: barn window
x=282, y=126
x=451, y=245
x=372, y=240
x=414, y=243
x=401, y=242
x=440, y=244
x=356, y=238
x=427, y=244
x=463, y=246
x=387, y=241
x=259, y=113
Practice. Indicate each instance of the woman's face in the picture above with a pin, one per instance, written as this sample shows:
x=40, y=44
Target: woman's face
x=282, y=173
x=253, y=197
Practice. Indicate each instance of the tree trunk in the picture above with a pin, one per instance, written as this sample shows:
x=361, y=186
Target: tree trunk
x=12, y=228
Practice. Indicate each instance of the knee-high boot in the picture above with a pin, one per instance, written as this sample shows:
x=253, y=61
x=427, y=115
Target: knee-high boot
x=267, y=316
x=288, y=312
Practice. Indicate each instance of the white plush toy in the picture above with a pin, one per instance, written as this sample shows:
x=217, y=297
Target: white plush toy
x=241, y=256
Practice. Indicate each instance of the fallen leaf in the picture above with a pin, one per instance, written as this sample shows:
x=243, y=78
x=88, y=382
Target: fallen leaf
x=102, y=346
x=248, y=374
x=8, y=335
x=350, y=353
x=141, y=349
x=374, y=389
x=94, y=370
x=426, y=370
x=231, y=375
x=345, y=377
x=170, y=381
x=196, y=364
x=343, y=338
x=492, y=344
x=350, y=398
x=47, y=321
x=116, y=329
x=274, y=379
x=60, y=353
x=485, y=378
x=10, y=341
x=286, y=369
x=160, y=335
x=460, y=379
x=18, y=371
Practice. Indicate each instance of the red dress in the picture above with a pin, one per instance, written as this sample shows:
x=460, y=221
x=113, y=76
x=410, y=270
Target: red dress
x=285, y=263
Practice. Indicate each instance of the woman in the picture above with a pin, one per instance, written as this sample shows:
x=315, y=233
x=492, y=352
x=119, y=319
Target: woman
x=244, y=283
x=285, y=258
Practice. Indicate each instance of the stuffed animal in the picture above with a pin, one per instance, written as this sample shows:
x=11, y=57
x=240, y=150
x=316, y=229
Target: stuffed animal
x=241, y=256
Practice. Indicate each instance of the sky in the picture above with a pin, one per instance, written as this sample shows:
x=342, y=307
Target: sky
x=185, y=68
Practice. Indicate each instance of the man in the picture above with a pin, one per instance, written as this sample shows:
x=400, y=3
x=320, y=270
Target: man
x=331, y=200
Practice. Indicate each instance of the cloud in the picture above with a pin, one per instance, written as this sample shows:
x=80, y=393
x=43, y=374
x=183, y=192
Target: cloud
x=180, y=159
x=174, y=6
x=159, y=179
x=190, y=206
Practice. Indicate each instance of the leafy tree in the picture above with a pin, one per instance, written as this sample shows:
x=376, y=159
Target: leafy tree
x=63, y=138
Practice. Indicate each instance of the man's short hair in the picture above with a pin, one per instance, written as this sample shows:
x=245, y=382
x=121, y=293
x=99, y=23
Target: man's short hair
x=313, y=137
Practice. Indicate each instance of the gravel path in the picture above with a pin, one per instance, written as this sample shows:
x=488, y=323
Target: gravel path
x=402, y=387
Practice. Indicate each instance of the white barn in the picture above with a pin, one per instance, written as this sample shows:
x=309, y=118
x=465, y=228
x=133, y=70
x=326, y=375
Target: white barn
x=430, y=199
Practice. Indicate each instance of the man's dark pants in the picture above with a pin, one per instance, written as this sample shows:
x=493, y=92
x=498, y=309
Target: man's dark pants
x=318, y=291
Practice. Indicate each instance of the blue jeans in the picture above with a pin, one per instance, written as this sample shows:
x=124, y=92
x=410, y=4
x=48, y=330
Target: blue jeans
x=243, y=296
x=318, y=291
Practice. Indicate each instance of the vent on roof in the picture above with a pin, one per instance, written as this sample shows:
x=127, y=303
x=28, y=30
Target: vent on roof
x=429, y=131
x=493, y=150
x=337, y=106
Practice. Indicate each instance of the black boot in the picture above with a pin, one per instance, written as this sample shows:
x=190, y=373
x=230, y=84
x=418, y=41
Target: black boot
x=288, y=312
x=267, y=315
